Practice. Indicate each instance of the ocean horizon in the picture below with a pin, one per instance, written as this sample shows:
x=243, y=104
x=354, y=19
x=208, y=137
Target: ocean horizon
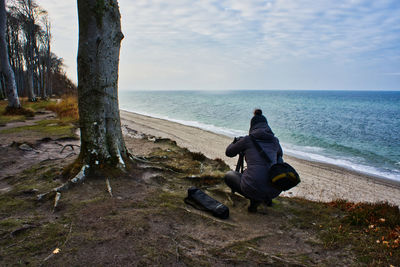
x=357, y=130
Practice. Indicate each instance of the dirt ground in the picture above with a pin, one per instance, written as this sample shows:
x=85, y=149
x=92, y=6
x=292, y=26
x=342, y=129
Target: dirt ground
x=144, y=220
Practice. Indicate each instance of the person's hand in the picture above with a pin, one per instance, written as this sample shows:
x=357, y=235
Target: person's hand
x=236, y=139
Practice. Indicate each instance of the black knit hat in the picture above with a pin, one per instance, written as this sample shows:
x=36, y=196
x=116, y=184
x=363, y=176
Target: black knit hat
x=258, y=117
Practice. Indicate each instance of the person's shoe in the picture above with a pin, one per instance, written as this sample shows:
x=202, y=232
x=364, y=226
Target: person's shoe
x=268, y=202
x=252, y=209
x=253, y=206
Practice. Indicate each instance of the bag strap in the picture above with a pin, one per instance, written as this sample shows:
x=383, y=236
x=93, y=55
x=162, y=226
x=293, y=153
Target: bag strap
x=260, y=150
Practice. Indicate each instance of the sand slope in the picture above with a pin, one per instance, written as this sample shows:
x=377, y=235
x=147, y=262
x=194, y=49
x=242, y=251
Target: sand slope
x=320, y=181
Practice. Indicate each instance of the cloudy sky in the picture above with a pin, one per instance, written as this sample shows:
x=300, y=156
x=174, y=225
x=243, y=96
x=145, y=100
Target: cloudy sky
x=252, y=44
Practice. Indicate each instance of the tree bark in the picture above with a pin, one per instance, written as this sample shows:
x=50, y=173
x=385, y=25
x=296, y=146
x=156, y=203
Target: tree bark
x=2, y=91
x=31, y=44
x=100, y=35
x=48, y=58
x=11, y=86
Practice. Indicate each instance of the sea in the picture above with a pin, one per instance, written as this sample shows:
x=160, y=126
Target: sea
x=357, y=130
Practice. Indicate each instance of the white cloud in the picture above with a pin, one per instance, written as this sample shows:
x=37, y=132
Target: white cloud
x=232, y=38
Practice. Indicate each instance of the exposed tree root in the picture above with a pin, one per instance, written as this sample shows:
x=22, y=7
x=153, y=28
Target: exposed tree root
x=109, y=187
x=68, y=145
x=133, y=158
x=70, y=154
x=57, y=198
x=57, y=250
x=22, y=229
x=80, y=177
x=157, y=168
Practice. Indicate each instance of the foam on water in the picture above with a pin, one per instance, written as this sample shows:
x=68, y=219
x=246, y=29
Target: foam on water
x=346, y=163
x=196, y=124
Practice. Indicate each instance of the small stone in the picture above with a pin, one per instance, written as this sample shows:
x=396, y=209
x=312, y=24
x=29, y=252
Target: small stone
x=25, y=147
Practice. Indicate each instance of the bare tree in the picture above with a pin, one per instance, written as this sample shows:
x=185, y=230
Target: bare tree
x=38, y=71
x=100, y=36
x=29, y=13
x=15, y=49
x=47, y=58
x=102, y=145
x=10, y=84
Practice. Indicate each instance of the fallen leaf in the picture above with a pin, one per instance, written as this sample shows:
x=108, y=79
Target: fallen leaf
x=57, y=250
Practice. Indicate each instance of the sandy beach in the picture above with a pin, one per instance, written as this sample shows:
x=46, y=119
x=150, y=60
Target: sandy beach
x=319, y=181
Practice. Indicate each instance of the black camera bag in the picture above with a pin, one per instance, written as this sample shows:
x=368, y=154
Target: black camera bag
x=282, y=176
x=200, y=200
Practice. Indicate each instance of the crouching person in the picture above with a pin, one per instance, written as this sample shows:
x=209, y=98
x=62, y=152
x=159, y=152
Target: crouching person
x=253, y=183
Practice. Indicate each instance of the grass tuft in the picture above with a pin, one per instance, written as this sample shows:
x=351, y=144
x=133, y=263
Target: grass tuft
x=66, y=109
x=28, y=112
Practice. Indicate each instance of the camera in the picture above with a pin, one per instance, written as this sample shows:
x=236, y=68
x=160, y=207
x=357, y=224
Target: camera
x=237, y=139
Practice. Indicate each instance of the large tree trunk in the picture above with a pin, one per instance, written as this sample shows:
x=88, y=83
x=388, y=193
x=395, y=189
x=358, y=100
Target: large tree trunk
x=30, y=91
x=42, y=80
x=100, y=36
x=48, y=59
x=2, y=89
x=11, y=86
x=30, y=57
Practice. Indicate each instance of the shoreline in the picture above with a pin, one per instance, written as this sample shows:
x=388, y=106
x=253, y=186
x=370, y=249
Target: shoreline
x=320, y=181
x=289, y=152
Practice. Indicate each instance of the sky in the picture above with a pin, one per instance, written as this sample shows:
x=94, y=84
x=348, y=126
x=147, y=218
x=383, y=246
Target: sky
x=252, y=44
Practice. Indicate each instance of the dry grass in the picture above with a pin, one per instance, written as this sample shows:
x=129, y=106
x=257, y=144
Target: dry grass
x=13, y=114
x=66, y=109
x=372, y=229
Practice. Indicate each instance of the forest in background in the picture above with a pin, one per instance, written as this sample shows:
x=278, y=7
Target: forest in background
x=38, y=71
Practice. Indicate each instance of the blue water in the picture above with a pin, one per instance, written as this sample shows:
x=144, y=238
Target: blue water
x=353, y=129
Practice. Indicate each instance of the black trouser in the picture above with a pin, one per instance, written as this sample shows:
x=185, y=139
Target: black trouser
x=232, y=179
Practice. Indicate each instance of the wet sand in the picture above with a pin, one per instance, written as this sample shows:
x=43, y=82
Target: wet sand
x=319, y=181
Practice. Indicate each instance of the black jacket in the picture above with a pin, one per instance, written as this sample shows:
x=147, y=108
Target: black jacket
x=254, y=179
